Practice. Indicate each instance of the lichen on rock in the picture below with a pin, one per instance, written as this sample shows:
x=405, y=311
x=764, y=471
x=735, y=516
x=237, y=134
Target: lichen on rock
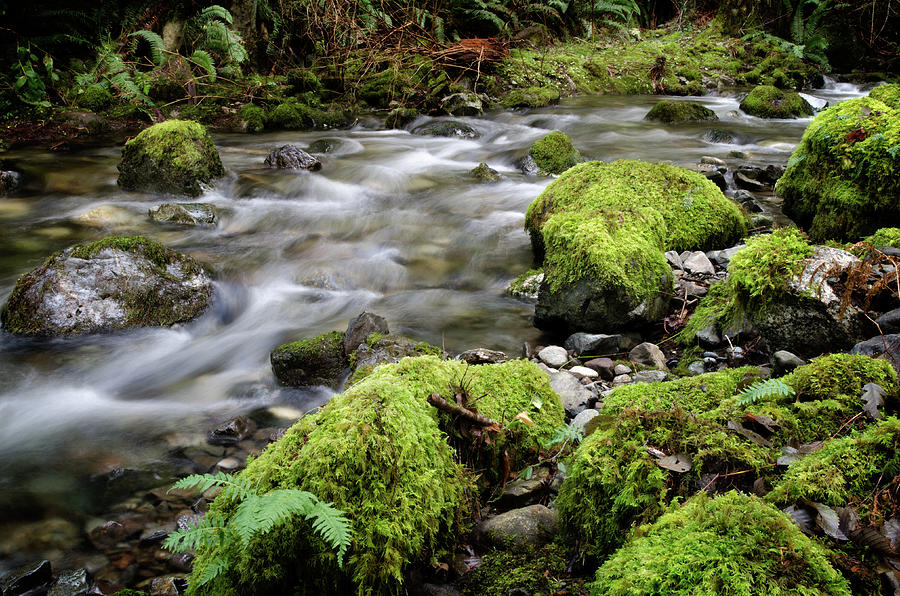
x=110, y=284
x=175, y=156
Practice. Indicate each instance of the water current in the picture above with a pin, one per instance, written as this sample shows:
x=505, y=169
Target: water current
x=392, y=224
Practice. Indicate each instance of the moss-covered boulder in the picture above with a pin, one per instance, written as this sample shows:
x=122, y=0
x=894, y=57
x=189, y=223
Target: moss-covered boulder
x=318, y=360
x=731, y=544
x=293, y=115
x=532, y=97
x=95, y=98
x=601, y=231
x=378, y=453
x=766, y=101
x=447, y=128
x=253, y=118
x=386, y=348
x=110, y=284
x=842, y=180
x=671, y=111
x=526, y=571
x=554, y=153
x=175, y=156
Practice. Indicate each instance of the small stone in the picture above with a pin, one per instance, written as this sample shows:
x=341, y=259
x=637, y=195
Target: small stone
x=604, y=366
x=716, y=177
x=235, y=430
x=583, y=418
x=650, y=376
x=723, y=257
x=291, y=157
x=674, y=259
x=784, y=362
x=714, y=161
x=521, y=492
x=166, y=586
x=535, y=525
x=229, y=464
x=648, y=354
x=710, y=363
x=485, y=173
x=621, y=369
x=182, y=562
x=186, y=521
x=71, y=583
x=554, y=356
x=593, y=343
x=696, y=368
x=573, y=395
x=483, y=356
x=462, y=104
x=360, y=328
x=192, y=214
x=621, y=380
x=708, y=337
x=697, y=262
x=9, y=181
x=584, y=372
x=33, y=578
x=889, y=321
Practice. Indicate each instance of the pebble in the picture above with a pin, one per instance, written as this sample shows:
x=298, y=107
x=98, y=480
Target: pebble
x=696, y=368
x=650, y=376
x=621, y=369
x=584, y=372
x=785, y=362
x=228, y=464
x=674, y=259
x=621, y=380
x=648, y=354
x=583, y=418
x=554, y=356
x=604, y=366
x=715, y=161
x=697, y=262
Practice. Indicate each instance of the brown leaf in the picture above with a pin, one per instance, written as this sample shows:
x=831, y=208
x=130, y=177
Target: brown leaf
x=680, y=462
x=873, y=396
x=749, y=434
x=524, y=418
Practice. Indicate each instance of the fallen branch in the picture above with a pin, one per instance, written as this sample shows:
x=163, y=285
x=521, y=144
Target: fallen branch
x=442, y=404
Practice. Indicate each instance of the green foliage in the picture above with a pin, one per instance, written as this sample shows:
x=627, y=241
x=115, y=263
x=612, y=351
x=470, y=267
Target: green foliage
x=33, y=76
x=554, y=153
x=884, y=237
x=254, y=116
x=95, y=97
x=566, y=434
x=532, y=97
x=255, y=515
x=211, y=31
x=154, y=42
x=764, y=390
x=730, y=544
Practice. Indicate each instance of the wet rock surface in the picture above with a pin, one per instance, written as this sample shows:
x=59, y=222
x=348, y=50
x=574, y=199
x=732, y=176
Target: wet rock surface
x=292, y=157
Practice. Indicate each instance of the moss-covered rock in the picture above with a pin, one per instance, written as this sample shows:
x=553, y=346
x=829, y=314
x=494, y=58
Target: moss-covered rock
x=110, y=284
x=485, y=173
x=381, y=348
x=401, y=117
x=377, y=453
x=191, y=214
x=766, y=101
x=318, y=360
x=532, y=97
x=447, y=128
x=301, y=80
x=843, y=179
x=884, y=237
x=299, y=116
x=95, y=98
x=731, y=544
x=528, y=571
x=174, y=156
x=669, y=111
x=554, y=153
x=601, y=231
x=253, y=116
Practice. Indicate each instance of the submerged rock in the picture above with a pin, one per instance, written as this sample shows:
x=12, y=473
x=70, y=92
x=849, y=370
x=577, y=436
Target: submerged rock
x=401, y=117
x=766, y=101
x=175, y=156
x=672, y=111
x=191, y=214
x=485, y=173
x=291, y=157
x=113, y=283
x=9, y=181
x=33, y=578
x=532, y=97
x=447, y=128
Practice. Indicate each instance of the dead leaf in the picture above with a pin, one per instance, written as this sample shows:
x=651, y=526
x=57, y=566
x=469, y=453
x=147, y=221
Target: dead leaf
x=828, y=520
x=873, y=396
x=892, y=531
x=874, y=540
x=680, y=462
x=810, y=447
x=764, y=421
x=524, y=418
x=749, y=434
x=802, y=517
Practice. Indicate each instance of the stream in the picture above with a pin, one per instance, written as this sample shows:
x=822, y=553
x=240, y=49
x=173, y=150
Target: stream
x=392, y=224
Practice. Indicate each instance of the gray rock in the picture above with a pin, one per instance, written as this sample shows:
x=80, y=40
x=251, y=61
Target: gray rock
x=483, y=356
x=528, y=166
x=387, y=350
x=650, y=376
x=31, y=579
x=716, y=176
x=583, y=372
x=574, y=396
x=784, y=362
x=292, y=157
x=111, y=284
x=71, y=583
x=697, y=262
x=485, y=173
x=360, y=328
x=622, y=380
x=889, y=322
x=717, y=135
x=193, y=214
x=710, y=160
x=583, y=418
x=742, y=180
x=462, y=104
x=529, y=288
x=604, y=366
x=593, y=343
x=886, y=347
x=621, y=369
x=447, y=128
x=535, y=525
x=9, y=181
x=235, y=430
x=709, y=338
x=674, y=259
x=697, y=368
x=648, y=354
x=723, y=257
x=521, y=492
x=553, y=356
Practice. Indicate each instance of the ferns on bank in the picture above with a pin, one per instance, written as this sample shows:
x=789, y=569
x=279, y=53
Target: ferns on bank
x=255, y=515
x=155, y=43
x=764, y=390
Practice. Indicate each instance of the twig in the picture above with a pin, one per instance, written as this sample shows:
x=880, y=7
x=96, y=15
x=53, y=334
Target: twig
x=442, y=404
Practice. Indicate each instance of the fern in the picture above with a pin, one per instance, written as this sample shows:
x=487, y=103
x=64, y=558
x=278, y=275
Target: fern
x=217, y=37
x=255, y=514
x=764, y=390
x=157, y=47
x=566, y=433
x=202, y=59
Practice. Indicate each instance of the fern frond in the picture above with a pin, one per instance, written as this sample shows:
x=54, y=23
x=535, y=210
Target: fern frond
x=215, y=12
x=332, y=526
x=157, y=47
x=764, y=390
x=213, y=569
x=235, y=487
x=202, y=59
x=210, y=531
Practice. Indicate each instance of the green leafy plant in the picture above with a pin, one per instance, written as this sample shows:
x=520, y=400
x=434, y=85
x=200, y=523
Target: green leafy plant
x=215, y=37
x=764, y=390
x=256, y=514
x=31, y=72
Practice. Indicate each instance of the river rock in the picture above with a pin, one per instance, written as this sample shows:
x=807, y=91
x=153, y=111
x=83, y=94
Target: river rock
x=675, y=111
x=485, y=173
x=360, y=328
x=319, y=360
x=553, y=356
x=28, y=580
x=698, y=263
x=49, y=534
x=593, y=343
x=175, y=156
x=718, y=135
x=447, y=128
x=886, y=347
x=574, y=396
x=604, y=366
x=528, y=166
x=9, y=181
x=192, y=214
x=71, y=583
x=889, y=322
x=235, y=430
x=535, y=526
x=462, y=104
x=784, y=362
x=526, y=287
x=708, y=337
x=583, y=372
x=650, y=376
x=401, y=117
x=722, y=257
x=648, y=354
x=766, y=101
x=292, y=157
x=113, y=283
x=674, y=259
x=483, y=356
x=388, y=349
x=581, y=421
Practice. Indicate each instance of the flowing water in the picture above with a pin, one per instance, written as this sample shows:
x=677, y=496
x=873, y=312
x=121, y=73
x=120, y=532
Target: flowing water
x=392, y=224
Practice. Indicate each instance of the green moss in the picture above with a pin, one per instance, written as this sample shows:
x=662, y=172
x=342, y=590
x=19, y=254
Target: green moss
x=612, y=222
x=302, y=80
x=377, y=452
x=887, y=94
x=767, y=101
x=501, y=572
x=845, y=471
x=485, y=173
x=254, y=116
x=758, y=274
x=172, y=156
x=400, y=117
x=532, y=97
x=885, y=237
x=298, y=116
x=318, y=360
x=554, y=153
x=669, y=110
x=95, y=98
x=153, y=250
x=843, y=181
x=731, y=544
x=775, y=69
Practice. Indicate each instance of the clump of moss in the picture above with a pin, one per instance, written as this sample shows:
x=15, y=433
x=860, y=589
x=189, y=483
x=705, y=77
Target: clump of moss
x=254, y=116
x=400, y=117
x=501, y=572
x=301, y=80
x=95, y=98
x=298, y=116
x=758, y=274
x=174, y=156
x=731, y=544
x=669, y=110
x=887, y=94
x=317, y=360
x=554, y=153
x=767, y=101
x=842, y=180
x=532, y=97
x=601, y=231
x=377, y=453
x=884, y=237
